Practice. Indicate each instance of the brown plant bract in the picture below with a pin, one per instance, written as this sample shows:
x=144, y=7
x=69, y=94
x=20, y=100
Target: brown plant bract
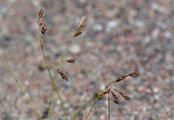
x=41, y=23
x=121, y=78
x=62, y=75
x=123, y=95
x=40, y=17
x=134, y=74
x=81, y=26
x=115, y=98
x=72, y=60
x=43, y=29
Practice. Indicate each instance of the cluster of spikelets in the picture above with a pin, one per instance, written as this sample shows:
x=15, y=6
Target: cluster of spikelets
x=108, y=90
x=43, y=28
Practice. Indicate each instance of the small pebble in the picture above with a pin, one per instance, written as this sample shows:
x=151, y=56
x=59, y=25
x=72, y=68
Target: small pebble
x=75, y=49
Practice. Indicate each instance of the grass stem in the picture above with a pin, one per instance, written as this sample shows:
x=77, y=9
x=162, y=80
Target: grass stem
x=52, y=78
x=109, y=108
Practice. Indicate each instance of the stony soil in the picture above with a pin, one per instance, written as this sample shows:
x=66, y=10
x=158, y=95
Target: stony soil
x=121, y=36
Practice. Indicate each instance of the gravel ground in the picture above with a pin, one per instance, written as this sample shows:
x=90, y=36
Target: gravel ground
x=121, y=36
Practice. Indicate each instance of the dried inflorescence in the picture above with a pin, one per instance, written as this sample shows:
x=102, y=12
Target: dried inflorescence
x=81, y=26
x=41, y=23
x=108, y=89
x=43, y=29
x=132, y=74
x=121, y=78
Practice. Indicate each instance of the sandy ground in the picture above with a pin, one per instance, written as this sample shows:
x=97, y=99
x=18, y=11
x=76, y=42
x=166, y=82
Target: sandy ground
x=121, y=36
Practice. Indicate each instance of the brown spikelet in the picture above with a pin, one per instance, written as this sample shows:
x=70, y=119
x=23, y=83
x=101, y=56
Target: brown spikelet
x=134, y=74
x=72, y=60
x=121, y=78
x=123, y=95
x=40, y=17
x=41, y=13
x=81, y=26
x=43, y=29
x=41, y=23
x=115, y=98
x=62, y=75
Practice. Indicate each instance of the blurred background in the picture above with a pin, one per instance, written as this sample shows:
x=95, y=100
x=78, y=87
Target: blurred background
x=121, y=36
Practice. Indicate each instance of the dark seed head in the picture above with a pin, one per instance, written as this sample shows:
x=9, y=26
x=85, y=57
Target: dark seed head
x=114, y=98
x=134, y=74
x=72, y=60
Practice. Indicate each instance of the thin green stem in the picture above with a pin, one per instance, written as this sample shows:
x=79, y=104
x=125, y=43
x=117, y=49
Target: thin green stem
x=109, y=108
x=24, y=94
x=52, y=78
x=90, y=109
x=50, y=101
x=107, y=86
x=82, y=107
